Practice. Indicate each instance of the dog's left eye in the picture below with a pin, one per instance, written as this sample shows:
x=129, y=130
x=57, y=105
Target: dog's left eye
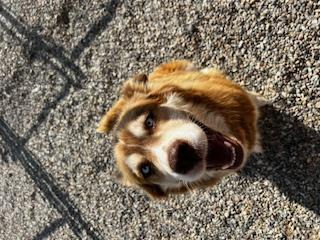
x=146, y=170
x=150, y=121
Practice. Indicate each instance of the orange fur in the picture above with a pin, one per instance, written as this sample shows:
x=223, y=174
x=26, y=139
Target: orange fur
x=111, y=117
x=209, y=89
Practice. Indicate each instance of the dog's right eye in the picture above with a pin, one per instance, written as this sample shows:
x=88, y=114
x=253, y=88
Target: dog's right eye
x=146, y=170
x=150, y=121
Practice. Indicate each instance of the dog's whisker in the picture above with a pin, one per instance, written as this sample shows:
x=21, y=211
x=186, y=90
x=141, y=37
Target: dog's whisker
x=187, y=186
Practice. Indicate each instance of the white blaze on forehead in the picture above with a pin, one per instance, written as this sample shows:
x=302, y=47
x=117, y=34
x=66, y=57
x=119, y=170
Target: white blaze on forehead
x=133, y=162
x=136, y=127
x=186, y=130
x=176, y=102
x=213, y=119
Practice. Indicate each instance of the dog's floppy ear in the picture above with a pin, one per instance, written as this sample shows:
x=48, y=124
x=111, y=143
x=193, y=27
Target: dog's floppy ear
x=110, y=119
x=137, y=84
x=171, y=67
x=142, y=78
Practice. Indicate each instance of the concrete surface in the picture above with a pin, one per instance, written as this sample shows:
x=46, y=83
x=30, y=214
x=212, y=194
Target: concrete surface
x=61, y=64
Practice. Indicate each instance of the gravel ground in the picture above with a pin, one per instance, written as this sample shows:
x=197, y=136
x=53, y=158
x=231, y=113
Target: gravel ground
x=61, y=64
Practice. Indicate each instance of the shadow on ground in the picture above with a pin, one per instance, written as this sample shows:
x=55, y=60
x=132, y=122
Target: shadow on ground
x=291, y=158
x=44, y=49
x=59, y=199
x=41, y=48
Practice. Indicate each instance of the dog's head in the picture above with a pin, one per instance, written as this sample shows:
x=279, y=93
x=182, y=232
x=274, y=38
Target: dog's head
x=167, y=141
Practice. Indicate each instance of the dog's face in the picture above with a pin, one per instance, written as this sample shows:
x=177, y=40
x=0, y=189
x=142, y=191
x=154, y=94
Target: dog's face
x=164, y=150
x=172, y=137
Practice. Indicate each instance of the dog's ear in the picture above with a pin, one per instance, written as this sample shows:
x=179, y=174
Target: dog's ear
x=171, y=67
x=110, y=119
x=135, y=85
x=142, y=78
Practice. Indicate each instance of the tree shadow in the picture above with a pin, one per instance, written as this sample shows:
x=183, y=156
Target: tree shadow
x=49, y=229
x=96, y=29
x=291, y=158
x=36, y=47
x=41, y=48
x=46, y=184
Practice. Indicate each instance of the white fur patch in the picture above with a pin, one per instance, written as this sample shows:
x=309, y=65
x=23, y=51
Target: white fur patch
x=212, y=120
x=133, y=161
x=186, y=131
x=212, y=71
x=136, y=127
x=162, y=158
x=190, y=67
x=176, y=102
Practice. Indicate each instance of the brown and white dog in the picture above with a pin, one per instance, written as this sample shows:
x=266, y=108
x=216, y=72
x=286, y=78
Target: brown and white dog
x=180, y=128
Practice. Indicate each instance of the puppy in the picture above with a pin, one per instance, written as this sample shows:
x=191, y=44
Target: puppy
x=181, y=128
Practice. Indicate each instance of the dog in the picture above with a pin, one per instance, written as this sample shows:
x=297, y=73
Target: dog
x=181, y=128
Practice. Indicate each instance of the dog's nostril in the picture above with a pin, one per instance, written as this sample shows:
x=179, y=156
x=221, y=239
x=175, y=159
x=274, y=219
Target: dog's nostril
x=183, y=157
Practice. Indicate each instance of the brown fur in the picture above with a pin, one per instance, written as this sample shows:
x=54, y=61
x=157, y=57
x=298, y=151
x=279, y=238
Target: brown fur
x=211, y=90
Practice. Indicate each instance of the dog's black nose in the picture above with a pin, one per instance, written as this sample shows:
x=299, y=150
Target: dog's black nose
x=183, y=157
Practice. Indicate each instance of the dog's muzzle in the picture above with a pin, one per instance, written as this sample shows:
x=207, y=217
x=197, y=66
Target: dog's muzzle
x=183, y=157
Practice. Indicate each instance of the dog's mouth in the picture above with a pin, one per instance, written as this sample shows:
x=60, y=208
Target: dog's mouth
x=224, y=153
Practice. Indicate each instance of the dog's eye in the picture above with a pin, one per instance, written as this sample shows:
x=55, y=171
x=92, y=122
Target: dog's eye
x=146, y=170
x=150, y=121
